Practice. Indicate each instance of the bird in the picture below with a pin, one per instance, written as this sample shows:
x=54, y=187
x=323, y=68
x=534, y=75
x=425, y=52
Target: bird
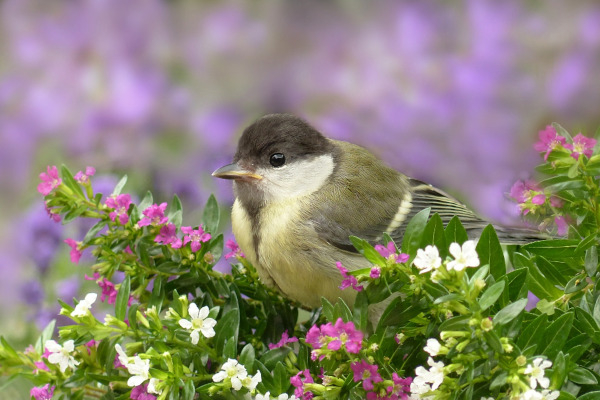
x=299, y=196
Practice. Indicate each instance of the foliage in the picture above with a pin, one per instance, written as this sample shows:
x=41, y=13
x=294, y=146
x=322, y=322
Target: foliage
x=455, y=324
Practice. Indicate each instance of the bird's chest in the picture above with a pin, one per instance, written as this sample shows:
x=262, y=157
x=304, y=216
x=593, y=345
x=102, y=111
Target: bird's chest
x=282, y=251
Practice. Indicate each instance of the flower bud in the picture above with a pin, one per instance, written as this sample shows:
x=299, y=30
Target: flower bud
x=521, y=360
x=486, y=324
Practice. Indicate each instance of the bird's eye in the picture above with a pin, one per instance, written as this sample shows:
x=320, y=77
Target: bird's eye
x=277, y=160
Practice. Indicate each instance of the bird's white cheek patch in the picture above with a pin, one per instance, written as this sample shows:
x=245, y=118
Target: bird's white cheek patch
x=296, y=179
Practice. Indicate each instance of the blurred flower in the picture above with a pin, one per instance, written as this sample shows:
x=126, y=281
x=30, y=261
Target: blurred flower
x=42, y=393
x=61, y=355
x=235, y=250
x=75, y=249
x=581, y=145
x=84, y=177
x=349, y=280
x=434, y=375
x=83, y=307
x=285, y=339
x=549, y=140
x=50, y=180
x=120, y=204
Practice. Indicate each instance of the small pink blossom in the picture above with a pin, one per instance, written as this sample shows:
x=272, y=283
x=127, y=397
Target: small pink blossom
x=141, y=393
x=235, y=250
x=298, y=382
x=581, y=145
x=195, y=236
x=108, y=291
x=367, y=373
x=154, y=215
x=285, y=339
x=42, y=393
x=390, y=253
x=549, y=140
x=50, y=180
x=400, y=389
x=84, y=177
x=561, y=224
x=375, y=273
x=75, y=250
x=40, y=366
x=349, y=280
x=94, y=277
x=345, y=335
x=120, y=204
x=53, y=216
x=527, y=194
x=167, y=235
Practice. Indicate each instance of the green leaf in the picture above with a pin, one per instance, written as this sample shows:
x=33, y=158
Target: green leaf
x=119, y=187
x=91, y=234
x=591, y=261
x=509, y=312
x=516, y=284
x=490, y=252
x=411, y=241
x=433, y=234
x=556, y=335
x=122, y=299
x=247, y=357
x=596, y=311
x=491, y=337
x=457, y=323
x=551, y=271
x=272, y=357
x=554, y=248
x=145, y=203
x=189, y=391
x=45, y=336
x=559, y=367
x=211, y=215
x=230, y=349
x=455, y=232
x=562, y=182
x=489, y=297
x=69, y=181
x=585, y=322
x=562, y=131
x=586, y=243
x=533, y=332
x=368, y=251
x=590, y=396
x=227, y=329
x=7, y=348
x=583, y=376
x=281, y=378
x=341, y=310
x=536, y=282
x=360, y=312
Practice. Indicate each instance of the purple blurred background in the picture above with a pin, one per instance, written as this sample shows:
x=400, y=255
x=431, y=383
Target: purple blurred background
x=449, y=92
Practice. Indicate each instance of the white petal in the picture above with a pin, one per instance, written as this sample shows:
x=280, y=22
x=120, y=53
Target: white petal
x=135, y=381
x=69, y=345
x=195, y=336
x=219, y=376
x=193, y=311
x=52, y=346
x=455, y=250
x=236, y=383
x=208, y=332
x=90, y=298
x=203, y=312
x=185, y=324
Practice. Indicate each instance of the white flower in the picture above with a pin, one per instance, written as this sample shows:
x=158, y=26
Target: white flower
x=61, y=355
x=82, y=308
x=233, y=371
x=140, y=371
x=463, y=257
x=435, y=374
x=536, y=373
x=152, y=386
x=532, y=394
x=250, y=382
x=418, y=387
x=123, y=357
x=199, y=323
x=427, y=259
x=432, y=347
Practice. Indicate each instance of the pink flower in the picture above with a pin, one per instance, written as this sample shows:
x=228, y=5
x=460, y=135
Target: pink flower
x=235, y=250
x=195, y=236
x=375, y=272
x=285, y=339
x=50, y=180
x=298, y=383
x=40, y=366
x=75, y=250
x=581, y=145
x=94, y=277
x=562, y=225
x=549, y=140
x=154, y=215
x=53, y=216
x=389, y=252
x=167, y=235
x=344, y=334
x=120, y=204
x=108, y=290
x=367, y=373
x=84, y=177
x=42, y=393
x=141, y=393
x=527, y=194
x=117, y=362
x=400, y=389
x=349, y=280
x=91, y=345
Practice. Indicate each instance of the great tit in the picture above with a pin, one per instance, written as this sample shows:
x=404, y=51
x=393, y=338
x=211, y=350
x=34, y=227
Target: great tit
x=299, y=196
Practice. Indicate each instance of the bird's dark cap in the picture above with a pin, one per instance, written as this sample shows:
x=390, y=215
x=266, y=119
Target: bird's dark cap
x=280, y=133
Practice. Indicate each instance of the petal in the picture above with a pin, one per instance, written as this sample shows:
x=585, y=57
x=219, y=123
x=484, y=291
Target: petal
x=135, y=381
x=193, y=311
x=185, y=324
x=208, y=332
x=195, y=336
x=69, y=345
x=90, y=298
x=52, y=346
x=203, y=312
x=455, y=250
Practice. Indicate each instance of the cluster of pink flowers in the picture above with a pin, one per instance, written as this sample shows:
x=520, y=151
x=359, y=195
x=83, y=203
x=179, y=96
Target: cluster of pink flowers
x=42, y=393
x=235, y=250
x=84, y=177
x=168, y=235
x=108, y=288
x=551, y=140
x=120, y=205
x=332, y=337
x=391, y=253
x=369, y=375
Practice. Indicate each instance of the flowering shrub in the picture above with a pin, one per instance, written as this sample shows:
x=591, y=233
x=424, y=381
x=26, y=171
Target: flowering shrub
x=456, y=321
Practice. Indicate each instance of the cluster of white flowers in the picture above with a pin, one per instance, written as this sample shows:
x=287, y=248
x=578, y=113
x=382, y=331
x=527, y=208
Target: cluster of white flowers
x=198, y=322
x=537, y=376
x=61, y=355
x=138, y=368
x=83, y=307
x=267, y=396
x=235, y=373
x=427, y=380
x=465, y=256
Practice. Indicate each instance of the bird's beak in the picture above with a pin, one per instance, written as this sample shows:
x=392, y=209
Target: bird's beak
x=235, y=171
